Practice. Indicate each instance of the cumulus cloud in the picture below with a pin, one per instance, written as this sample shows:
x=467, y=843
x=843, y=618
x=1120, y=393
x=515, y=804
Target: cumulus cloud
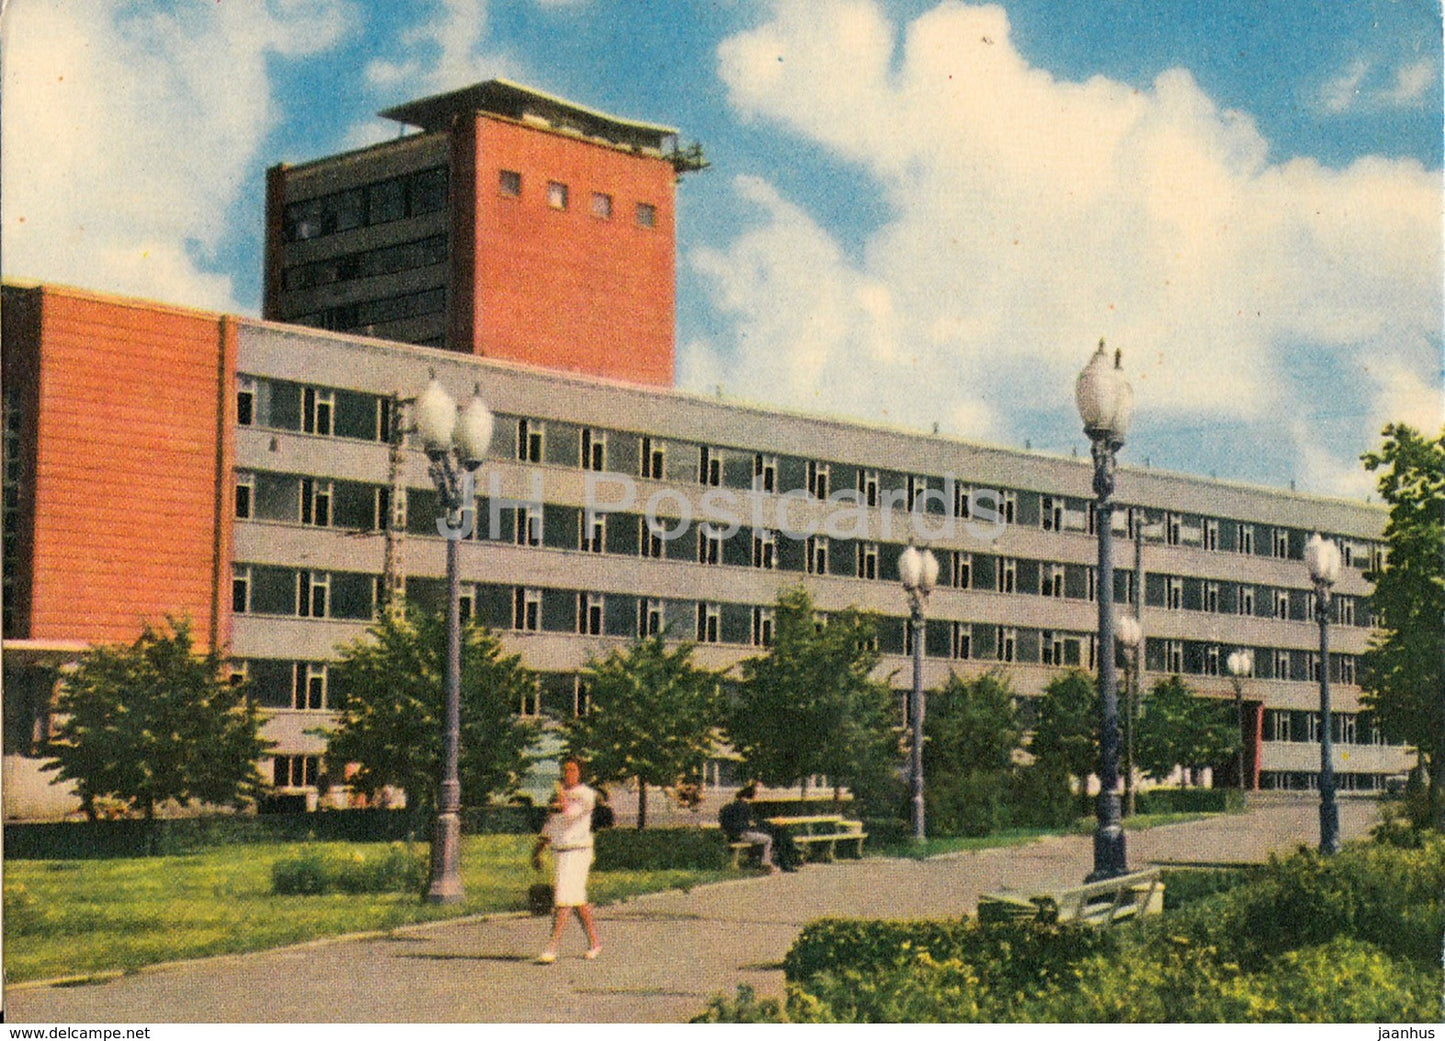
x=97, y=98
x=1029, y=215
x=1370, y=86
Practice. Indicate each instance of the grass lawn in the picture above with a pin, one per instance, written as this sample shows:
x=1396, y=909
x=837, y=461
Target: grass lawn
x=82, y=918
x=932, y=847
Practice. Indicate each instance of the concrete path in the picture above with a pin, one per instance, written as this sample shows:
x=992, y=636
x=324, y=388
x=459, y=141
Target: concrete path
x=665, y=955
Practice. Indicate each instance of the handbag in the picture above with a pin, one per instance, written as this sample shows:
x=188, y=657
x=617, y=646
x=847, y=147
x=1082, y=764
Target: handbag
x=539, y=898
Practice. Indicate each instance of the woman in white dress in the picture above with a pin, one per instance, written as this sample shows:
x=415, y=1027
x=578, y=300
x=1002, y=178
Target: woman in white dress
x=569, y=832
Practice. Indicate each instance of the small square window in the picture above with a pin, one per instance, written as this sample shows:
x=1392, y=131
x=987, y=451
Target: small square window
x=646, y=215
x=601, y=206
x=556, y=195
x=509, y=183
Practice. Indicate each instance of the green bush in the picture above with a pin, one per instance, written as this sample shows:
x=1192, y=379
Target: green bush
x=745, y=1008
x=656, y=849
x=973, y=803
x=399, y=868
x=1184, y=886
x=1041, y=798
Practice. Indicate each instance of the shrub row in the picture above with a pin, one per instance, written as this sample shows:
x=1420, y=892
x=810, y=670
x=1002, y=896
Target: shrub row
x=1189, y=800
x=87, y=840
x=660, y=849
x=400, y=868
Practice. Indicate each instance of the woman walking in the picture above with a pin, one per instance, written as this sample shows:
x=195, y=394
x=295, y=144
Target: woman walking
x=569, y=832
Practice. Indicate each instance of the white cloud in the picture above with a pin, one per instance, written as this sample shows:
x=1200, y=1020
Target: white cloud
x=98, y=96
x=1367, y=87
x=1411, y=83
x=1031, y=215
x=1341, y=93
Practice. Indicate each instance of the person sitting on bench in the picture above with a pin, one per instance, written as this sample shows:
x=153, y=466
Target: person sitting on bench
x=740, y=823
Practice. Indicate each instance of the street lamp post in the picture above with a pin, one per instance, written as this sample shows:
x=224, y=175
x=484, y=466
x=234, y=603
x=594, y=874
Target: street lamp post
x=1322, y=557
x=1240, y=664
x=919, y=571
x=1106, y=404
x=455, y=446
x=1130, y=633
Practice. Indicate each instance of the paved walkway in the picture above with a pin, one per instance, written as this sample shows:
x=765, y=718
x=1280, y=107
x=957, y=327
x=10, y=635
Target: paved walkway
x=665, y=954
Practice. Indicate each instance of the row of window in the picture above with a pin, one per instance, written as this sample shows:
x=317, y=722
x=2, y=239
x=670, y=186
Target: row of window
x=10, y=489
x=559, y=197
x=361, y=315
x=369, y=263
x=259, y=589
x=1346, y=728
x=380, y=202
x=549, y=442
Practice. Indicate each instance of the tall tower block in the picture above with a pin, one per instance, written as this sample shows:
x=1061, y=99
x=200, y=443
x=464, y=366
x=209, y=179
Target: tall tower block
x=512, y=225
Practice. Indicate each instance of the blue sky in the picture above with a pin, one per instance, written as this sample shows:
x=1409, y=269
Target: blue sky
x=917, y=213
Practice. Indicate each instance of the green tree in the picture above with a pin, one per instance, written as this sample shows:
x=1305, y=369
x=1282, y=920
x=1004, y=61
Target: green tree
x=1065, y=742
x=153, y=721
x=389, y=688
x=972, y=730
x=810, y=705
x=1179, y=728
x=1402, y=670
x=653, y=717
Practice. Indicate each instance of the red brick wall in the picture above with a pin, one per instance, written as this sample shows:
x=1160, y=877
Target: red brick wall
x=133, y=485
x=563, y=288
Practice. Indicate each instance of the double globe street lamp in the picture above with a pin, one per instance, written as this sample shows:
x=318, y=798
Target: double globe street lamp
x=1322, y=557
x=1240, y=664
x=1106, y=404
x=919, y=571
x=455, y=445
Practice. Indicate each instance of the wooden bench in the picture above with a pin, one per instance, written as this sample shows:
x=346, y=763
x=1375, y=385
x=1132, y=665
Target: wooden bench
x=1096, y=903
x=821, y=837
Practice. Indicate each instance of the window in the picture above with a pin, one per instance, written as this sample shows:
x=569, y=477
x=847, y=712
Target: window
x=313, y=589
x=509, y=183
x=763, y=618
x=961, y=506
x=240, y=588
x=654, y=459
x=1245, y=537
x=709, y=466
x=528, y=525
x=594, y=450
x=818, y=479
x=652, y=543
x=590, y=613
x=531, y=701
x=1281, y=603
x=601, y=206
x=1007, y=572
x=1347, y=610
x=1007, y=638
x=1349, y=728
x=1211, y=534
x=868, y=487
x=530, y=434
x=309, y=690
x=916, y=487
x=709, y=545
x=1246, y=600
x=1312, y=725
x=962, y=640
x=1276, y=724
x=817, y=555
x=1173, y=656
x=1281, y=543
x=1281, y=664
x=646, y=215
x=581, y=698
x=1171, y=529
x=1052, y=648
x=245, y=490
x=651, y=615
x=1009, y=505
x=316, y=409
x=1211, y=660
x=246, y=402
x=867, y=560
x=1174, y=593
x=1093, y=585
x=594, y=533
x=295, y=771
x=1347, y=552
x=556, y=195
x=765, y=473
x=1052, y=514
x=765, y=549
x=1312, y=660
x=527, y=610
x=1054, y=581
x=316, y=499
x=962, y=570
x=1211, y=597
x=708, y=620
